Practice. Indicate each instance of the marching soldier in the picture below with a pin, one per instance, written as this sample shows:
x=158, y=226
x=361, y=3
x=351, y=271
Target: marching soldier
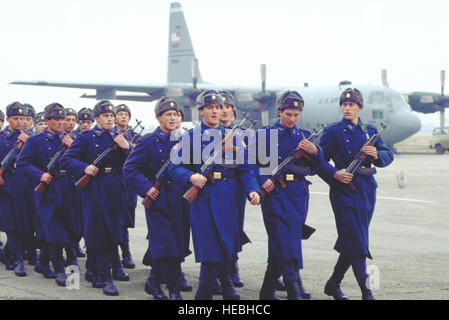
x=85, y=120
x=227, y=119
x=165, y=216
x=14, y=213
x=53, y=207
x=353, y=210
x=122, y=122
x=73, y=196
x=284, y=208
x=39, y=120
x=214, y=215
x=30, y=113
x=104, y=196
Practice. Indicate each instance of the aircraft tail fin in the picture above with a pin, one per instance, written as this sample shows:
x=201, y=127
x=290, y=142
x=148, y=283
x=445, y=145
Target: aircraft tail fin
x=180, y=48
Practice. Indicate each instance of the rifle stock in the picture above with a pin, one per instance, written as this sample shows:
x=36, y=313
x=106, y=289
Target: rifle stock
x=83, y=181
x=41, y=187
x=2, y=172
x=147, y=201
x=191, y=194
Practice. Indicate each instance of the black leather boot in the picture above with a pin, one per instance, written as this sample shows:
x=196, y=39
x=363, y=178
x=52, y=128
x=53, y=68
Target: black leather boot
x=293, y=292
x=127, y=261
x=229, y=292
x=71, y=255
x=279, y=285
x=117, y=268
x=20, y=270
x=304, y=294
x=61, y=277
x=332, y=288
x=268, y=290
x=367, y=295
x=217, y=288
x=42, y=265
x=153, y=287
x=235, y=275
x=184, y=286
x=2, y=256
x=10, y=257
x=110, y=289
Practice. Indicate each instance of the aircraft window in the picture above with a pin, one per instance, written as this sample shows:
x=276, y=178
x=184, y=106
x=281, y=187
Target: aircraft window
x=377, y=97
x=334, y=100
x=321, y=101
x=326, y=101
x=378, y=114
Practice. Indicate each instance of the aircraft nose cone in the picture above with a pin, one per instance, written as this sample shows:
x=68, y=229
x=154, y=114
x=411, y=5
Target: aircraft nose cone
x=405, y=125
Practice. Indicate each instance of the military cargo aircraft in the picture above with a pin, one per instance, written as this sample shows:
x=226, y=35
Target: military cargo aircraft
x=184, y=83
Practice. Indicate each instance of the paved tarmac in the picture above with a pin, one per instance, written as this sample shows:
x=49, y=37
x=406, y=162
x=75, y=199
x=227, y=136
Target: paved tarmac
x=409, y=237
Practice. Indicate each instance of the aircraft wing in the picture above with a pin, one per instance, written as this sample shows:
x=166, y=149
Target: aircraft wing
x=150, y=92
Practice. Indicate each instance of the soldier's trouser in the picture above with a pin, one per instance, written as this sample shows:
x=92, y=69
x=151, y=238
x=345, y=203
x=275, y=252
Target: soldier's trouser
x=170, y=270
x=358, y=267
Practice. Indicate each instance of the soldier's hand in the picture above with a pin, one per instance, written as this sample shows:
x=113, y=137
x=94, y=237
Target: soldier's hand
x=268, y=186
x=255, y=198
x=308, y=146
x=153, y=193
x=370, y=151
x=342, y=176
x=67, y=140
x=122, y=142
x=22, y=137
x=46, y=177
x=198, y=180
x=91, y=170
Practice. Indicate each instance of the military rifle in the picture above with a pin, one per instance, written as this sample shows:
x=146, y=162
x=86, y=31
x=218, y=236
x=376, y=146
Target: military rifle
x=51, y=166
x=85, y=179
x=209, y=164
x=360, y=156
x=160, y=177
x=297, y=153
x=12, y=154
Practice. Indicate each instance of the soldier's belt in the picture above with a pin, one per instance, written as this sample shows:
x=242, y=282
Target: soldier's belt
x=108, y=170
x=60, y=173
x=366, y=171
x=219, y=175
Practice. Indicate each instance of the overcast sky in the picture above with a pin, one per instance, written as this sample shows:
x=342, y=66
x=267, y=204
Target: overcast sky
x=320, y=42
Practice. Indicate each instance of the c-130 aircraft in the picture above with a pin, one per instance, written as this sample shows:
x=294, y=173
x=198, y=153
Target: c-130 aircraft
x=184, y=83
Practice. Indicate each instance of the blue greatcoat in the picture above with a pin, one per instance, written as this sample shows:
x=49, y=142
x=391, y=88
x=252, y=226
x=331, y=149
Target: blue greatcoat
x=104, y=197
x=131, y=196
x=53, y=208
x=284, y=210
x=15, y=202
x=214, y=215
x=353, y=210
x=166, y=219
